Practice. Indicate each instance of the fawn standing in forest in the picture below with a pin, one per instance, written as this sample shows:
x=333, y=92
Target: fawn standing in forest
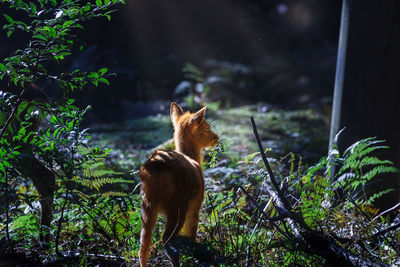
x=173, y=183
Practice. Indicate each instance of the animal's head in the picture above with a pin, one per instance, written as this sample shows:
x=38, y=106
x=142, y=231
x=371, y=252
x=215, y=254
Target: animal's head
x=193, y=127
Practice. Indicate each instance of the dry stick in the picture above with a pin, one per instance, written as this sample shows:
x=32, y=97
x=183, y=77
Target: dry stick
x=386, y=211
x=60, y=223
x=315, y=242
x=280, y=199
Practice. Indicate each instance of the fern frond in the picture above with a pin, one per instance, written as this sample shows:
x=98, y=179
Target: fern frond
x=95, y=173
x=343, y=179
x=97, y=183
x=381, y=169
x=349, y=164
x=375, y=196
x=319, y=166
x=369, y=161
x=363, y=147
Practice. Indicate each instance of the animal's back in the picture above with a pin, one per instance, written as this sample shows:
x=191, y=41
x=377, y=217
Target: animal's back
x=174, y=178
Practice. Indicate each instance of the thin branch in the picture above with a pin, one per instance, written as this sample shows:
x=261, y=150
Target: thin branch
x=272, y=220
x=386, y=211
x=264, y=158
x=279, y=196
x=19, y=100
x=60, y=223
x=390, y=228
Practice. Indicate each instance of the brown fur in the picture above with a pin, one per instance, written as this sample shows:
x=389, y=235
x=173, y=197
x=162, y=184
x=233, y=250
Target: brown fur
x=172, y=181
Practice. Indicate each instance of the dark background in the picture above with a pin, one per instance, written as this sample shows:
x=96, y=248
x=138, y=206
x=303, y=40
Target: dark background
x=282, y=52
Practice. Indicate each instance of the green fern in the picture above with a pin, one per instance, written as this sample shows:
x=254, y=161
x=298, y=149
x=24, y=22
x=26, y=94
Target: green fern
x=375, y=196
x=360, y=167
x=96, y=176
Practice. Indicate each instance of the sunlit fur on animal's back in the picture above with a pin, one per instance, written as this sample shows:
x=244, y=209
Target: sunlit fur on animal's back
x=172, y=181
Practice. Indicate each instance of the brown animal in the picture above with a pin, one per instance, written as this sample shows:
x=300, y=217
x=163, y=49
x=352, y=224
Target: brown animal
x=172, y=181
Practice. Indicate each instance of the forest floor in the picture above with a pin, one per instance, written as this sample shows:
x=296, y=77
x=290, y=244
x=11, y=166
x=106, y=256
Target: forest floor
x=303, y=132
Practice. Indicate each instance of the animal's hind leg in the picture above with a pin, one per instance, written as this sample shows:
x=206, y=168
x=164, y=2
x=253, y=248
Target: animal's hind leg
x=149, y=217
x=175, y=220
x=192, y=220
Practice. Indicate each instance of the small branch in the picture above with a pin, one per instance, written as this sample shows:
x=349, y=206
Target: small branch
x=272, y=220
x=386, y=211
x=102, y=231
x=264, y=158
x=60, y=223
x=390, y=228
x=19, y=100
x=279, y=196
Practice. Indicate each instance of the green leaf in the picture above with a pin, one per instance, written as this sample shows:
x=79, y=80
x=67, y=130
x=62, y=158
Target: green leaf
x=9, y=33
x=33, y=7
x=67, y=23
x=2, y=168
x=99, y=3
x=70, y=101
x=104, y=80
x=9, y=19
x=41, y=37
x=51, y=30
x=93, y=75
x=102, y=71
x=2, y=67
x=6, y=163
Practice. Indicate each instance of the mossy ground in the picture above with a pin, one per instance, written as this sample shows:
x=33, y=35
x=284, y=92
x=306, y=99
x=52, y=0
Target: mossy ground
x=303, y=132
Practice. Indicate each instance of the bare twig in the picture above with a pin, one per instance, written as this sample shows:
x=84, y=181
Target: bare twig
x=19, y=100
x=60, y=223
x=264, y=158
x=279, y=196
x=386, y=211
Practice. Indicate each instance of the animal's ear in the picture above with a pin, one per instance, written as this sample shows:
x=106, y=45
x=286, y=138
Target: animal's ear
x=176, y=112
x=198, y=116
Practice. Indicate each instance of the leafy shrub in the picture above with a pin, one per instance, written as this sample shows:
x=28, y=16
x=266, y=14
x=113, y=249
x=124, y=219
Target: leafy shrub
x=92, y=202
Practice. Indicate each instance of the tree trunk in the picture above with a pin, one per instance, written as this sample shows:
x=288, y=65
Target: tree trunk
x=371, y=82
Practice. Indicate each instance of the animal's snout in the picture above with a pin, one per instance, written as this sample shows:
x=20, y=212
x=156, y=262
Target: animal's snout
x=216, y=140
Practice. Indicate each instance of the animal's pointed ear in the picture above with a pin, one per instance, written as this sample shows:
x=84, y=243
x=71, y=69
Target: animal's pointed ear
x=176, y=112
x=198, y=116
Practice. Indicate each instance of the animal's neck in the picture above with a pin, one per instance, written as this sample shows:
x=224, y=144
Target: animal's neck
x=190, y=149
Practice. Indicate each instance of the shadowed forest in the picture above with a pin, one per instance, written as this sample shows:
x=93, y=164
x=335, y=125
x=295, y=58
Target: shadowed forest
x=302, y=94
